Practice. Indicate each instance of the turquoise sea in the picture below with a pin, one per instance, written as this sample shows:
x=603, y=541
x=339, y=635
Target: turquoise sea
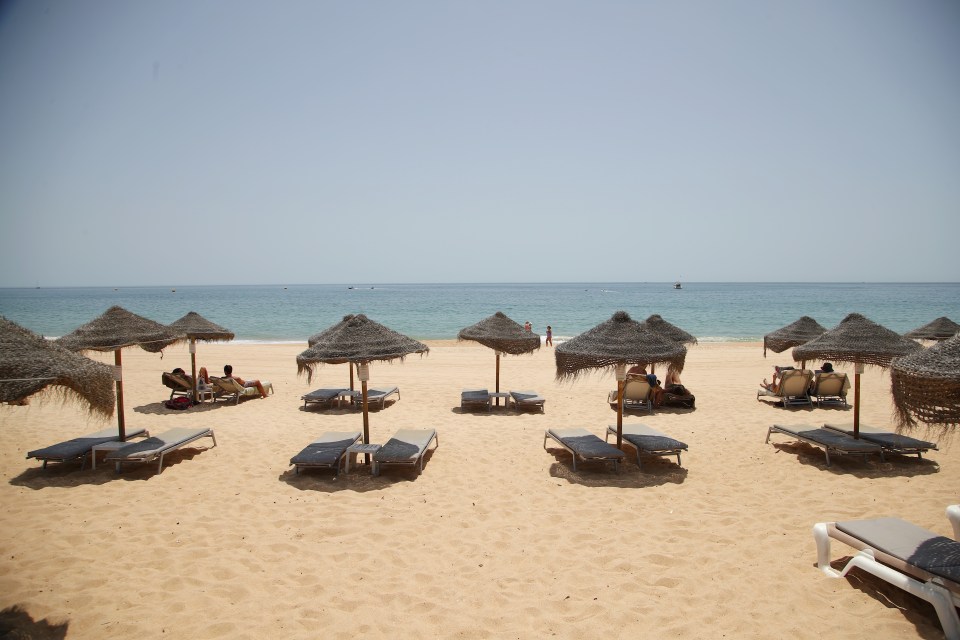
x=291, y=313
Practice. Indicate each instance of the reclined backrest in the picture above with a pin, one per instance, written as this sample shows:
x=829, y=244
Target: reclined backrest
x=830, y=384
x=636, y=390
x=795, y=382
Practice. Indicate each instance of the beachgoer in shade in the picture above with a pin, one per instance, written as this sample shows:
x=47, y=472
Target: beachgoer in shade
x=774, y=385
x=228, y=373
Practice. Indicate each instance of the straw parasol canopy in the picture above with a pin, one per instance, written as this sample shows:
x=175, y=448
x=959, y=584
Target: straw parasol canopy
x=859, y=341
x=358, y=340
x=196, y=327
x=115, y=329
x=503, y=335
x=943, y=328
x=926, y=385
x=793, y=335
x=612, y=345
x=671, y=331
x=320, y=337
x=30, y=363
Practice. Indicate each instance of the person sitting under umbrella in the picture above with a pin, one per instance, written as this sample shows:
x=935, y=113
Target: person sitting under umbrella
x=202, y=375
x=777, y=377
x=228, y=373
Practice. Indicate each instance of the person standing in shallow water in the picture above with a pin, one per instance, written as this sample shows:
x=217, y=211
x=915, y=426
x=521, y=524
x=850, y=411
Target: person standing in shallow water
x=527, y=326
x=549, y=340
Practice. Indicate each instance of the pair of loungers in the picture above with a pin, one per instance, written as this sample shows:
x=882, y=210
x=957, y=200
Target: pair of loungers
x=519, y=400
x=912, y=558
x=799, y=387
x=587, y=446
x=327, y=396
x=148, y=449
x=407, y=447
x=838, y=439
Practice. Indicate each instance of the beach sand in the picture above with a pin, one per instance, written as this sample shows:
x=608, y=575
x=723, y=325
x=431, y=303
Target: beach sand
x=498, y=538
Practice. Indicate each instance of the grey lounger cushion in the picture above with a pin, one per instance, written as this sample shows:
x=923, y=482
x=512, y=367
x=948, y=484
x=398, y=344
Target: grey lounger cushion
x=325, y=451
x=649, y=441
x=79, y=447
x=828, y=439
x=155, y=447
x=915, y=545
x=406, y=447
x=527, y=399
x=380, y=395
x=322, y=395
x=586, y=445
x=889, y=440
x=475, y=397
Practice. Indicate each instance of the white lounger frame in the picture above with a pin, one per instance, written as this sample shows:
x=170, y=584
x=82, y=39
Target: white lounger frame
x=150, y=456
x=826, y=448
x=895, y=571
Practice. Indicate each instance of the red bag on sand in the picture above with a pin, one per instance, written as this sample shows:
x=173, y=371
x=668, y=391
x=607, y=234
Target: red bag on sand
x=179, y=403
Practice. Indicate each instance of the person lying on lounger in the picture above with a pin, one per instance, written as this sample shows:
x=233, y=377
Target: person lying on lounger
x=228, y=373
x=777, y=378
x=202, y=375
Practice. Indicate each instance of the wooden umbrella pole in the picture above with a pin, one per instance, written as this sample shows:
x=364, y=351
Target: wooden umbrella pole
x=619, y=413
x=498, y=377
x=350, y=365
x=193, y=366
x=366, y=419
x=856, y=405
x=120, y=423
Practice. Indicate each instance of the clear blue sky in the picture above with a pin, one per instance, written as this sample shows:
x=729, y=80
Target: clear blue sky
x=221, y=142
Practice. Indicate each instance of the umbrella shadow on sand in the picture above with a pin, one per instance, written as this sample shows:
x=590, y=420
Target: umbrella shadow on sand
x=656, y=472
x=15, y=622
x=70, y=475
x=159, y=409
x=871, y=468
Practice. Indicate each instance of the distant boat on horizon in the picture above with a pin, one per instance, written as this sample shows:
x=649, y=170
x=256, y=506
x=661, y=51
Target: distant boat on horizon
x=676, y=285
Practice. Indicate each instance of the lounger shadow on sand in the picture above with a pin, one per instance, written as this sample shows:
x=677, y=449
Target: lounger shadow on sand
x=156, y=447
x=585, y=445
x=406, y=448
x=914, y=559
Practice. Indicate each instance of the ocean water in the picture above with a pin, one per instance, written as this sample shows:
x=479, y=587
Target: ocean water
x=292, y=313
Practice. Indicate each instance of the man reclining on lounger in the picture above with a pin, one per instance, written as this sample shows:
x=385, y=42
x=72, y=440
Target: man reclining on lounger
x=228, y=373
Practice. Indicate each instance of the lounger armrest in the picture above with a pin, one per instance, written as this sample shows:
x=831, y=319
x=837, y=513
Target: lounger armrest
x=953, y=515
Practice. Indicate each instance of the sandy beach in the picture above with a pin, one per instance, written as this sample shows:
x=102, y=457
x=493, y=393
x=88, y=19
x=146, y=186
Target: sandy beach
x=498, y=538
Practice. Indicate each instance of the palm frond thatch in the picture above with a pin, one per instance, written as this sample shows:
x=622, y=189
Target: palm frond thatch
x=118, y=328
x=619, y=340
x=926, y=385
x=502, y=334
x=196, y=327
x=356, y=340
x=319, y=337
x=857, y=340
x=793, y=335
x=943, y=328
x=30, y=363
x=664, y=328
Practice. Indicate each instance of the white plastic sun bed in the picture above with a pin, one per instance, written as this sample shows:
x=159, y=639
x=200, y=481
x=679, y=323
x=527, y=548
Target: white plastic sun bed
x=156, y=447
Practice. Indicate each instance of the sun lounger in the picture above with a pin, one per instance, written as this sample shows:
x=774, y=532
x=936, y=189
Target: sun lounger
x=79, y=448
x=585, y=445
x=327, y=451
x=379, y=396
x=475, y=398
x=830, y=388
x=636, y=395
x=827, y=439
x=322, y=396
x=903, y=554
x=230, y=389
x=528, y=400
x=888, y=440
x=794, y=389
x=178, y=386
x=407, y=448
x=155, y=447
x=648, y=441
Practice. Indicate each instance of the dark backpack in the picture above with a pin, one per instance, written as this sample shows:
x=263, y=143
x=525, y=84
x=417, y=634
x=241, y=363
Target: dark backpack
x=179, y=403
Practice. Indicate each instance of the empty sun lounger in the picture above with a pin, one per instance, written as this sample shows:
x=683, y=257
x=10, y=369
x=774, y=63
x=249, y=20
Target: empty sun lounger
x=473, y=398
x=794, y=389
x=327, y=451
x=648, y=441
x=407, y=447
x=888, y=440
x=322, y=396
x=827, y=439
x=79, y=448
x=903, y=554
x=585, y=445
x=528, y=400
x=155, y=447
x=379, y=396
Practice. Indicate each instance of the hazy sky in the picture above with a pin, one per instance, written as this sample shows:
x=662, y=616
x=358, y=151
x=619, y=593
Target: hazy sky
x=221, y=142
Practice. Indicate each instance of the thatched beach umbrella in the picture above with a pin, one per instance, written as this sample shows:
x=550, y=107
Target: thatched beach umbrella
x=613, y=345
x=503, y=335
x=319, y=337
x=943, y=328
x=926, y=385
x=30, y=363
x=860, y=341
x=196, y=327
x=793, y=335
x=358, y=340
x=115, y=329
x=672, y=331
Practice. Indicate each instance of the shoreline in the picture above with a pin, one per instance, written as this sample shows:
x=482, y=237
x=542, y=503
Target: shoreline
x=498, y=537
